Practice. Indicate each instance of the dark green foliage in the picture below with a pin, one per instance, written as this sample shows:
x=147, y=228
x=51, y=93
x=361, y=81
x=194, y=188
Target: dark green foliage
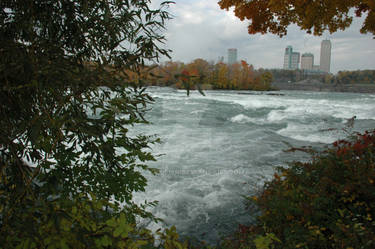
x=67, y=104
x=356, y=77
x=78, y=223
x=326, y=203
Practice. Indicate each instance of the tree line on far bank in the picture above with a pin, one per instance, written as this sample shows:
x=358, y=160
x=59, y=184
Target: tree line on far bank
x=356, y=77
x=239, y=76
x=208, y=75
x=342, y=77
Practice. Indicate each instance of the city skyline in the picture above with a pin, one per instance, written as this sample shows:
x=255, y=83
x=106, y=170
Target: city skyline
x=200, y=29
x=293, y=60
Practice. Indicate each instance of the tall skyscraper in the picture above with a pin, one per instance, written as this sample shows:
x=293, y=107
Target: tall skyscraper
x=307, y=61
x=291, y=59
x=325, y=56
x=232, y=56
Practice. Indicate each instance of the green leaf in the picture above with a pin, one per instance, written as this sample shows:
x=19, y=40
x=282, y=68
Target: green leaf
x=112, y=222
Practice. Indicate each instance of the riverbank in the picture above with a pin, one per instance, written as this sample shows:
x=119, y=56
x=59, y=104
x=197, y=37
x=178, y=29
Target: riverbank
x=324, y=87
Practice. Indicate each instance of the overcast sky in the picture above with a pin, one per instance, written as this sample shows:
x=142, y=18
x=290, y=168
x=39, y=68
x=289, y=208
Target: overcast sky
x=200, y=29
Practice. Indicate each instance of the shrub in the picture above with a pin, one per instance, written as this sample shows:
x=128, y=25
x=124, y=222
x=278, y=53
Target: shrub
x=78, y=223
x=328, y=202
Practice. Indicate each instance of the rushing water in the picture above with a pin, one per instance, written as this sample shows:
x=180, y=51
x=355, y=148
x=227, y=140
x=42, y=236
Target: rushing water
x=224, y=145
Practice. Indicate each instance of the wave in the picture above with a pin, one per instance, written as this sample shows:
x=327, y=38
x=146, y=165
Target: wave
x=241, y=119
x=318, y=110
x=310, y=133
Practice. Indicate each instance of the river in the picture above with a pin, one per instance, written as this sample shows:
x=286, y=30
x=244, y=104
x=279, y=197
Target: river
x=219, y=147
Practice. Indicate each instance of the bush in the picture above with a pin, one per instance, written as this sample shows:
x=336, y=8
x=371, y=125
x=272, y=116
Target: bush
x=326, y=203
x=78, y=223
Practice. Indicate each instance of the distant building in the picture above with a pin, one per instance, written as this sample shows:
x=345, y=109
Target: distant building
x=288, y=57
x=316, y=67
x=307, y=61
x=291, y=59
x=221, y=59
x=232, y=56
x=295, y=60
x=325, y=56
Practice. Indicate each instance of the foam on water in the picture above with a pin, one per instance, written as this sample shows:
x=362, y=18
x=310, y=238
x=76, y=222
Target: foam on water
x=241, y=118
x=225, y=145
x=311, y=133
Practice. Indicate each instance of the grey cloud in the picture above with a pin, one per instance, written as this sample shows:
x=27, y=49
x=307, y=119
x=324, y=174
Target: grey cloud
x=200, y=29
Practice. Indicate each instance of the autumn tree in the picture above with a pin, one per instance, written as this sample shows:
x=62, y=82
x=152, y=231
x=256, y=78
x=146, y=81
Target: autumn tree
x=248, y=75
x=235, y=76
x=169, y=70
x=268, y=16
x=222, y=76
x=202, y=66
x=211, y=75
x=200, y=74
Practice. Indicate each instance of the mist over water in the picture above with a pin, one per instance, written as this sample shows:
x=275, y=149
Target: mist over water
x=222, y=146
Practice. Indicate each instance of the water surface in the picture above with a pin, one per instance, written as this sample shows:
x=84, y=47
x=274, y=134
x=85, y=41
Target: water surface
x=222, y=146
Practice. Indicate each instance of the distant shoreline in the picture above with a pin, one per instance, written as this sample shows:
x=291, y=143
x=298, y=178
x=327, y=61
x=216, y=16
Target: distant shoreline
x=324, y=87
x=306, y=85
